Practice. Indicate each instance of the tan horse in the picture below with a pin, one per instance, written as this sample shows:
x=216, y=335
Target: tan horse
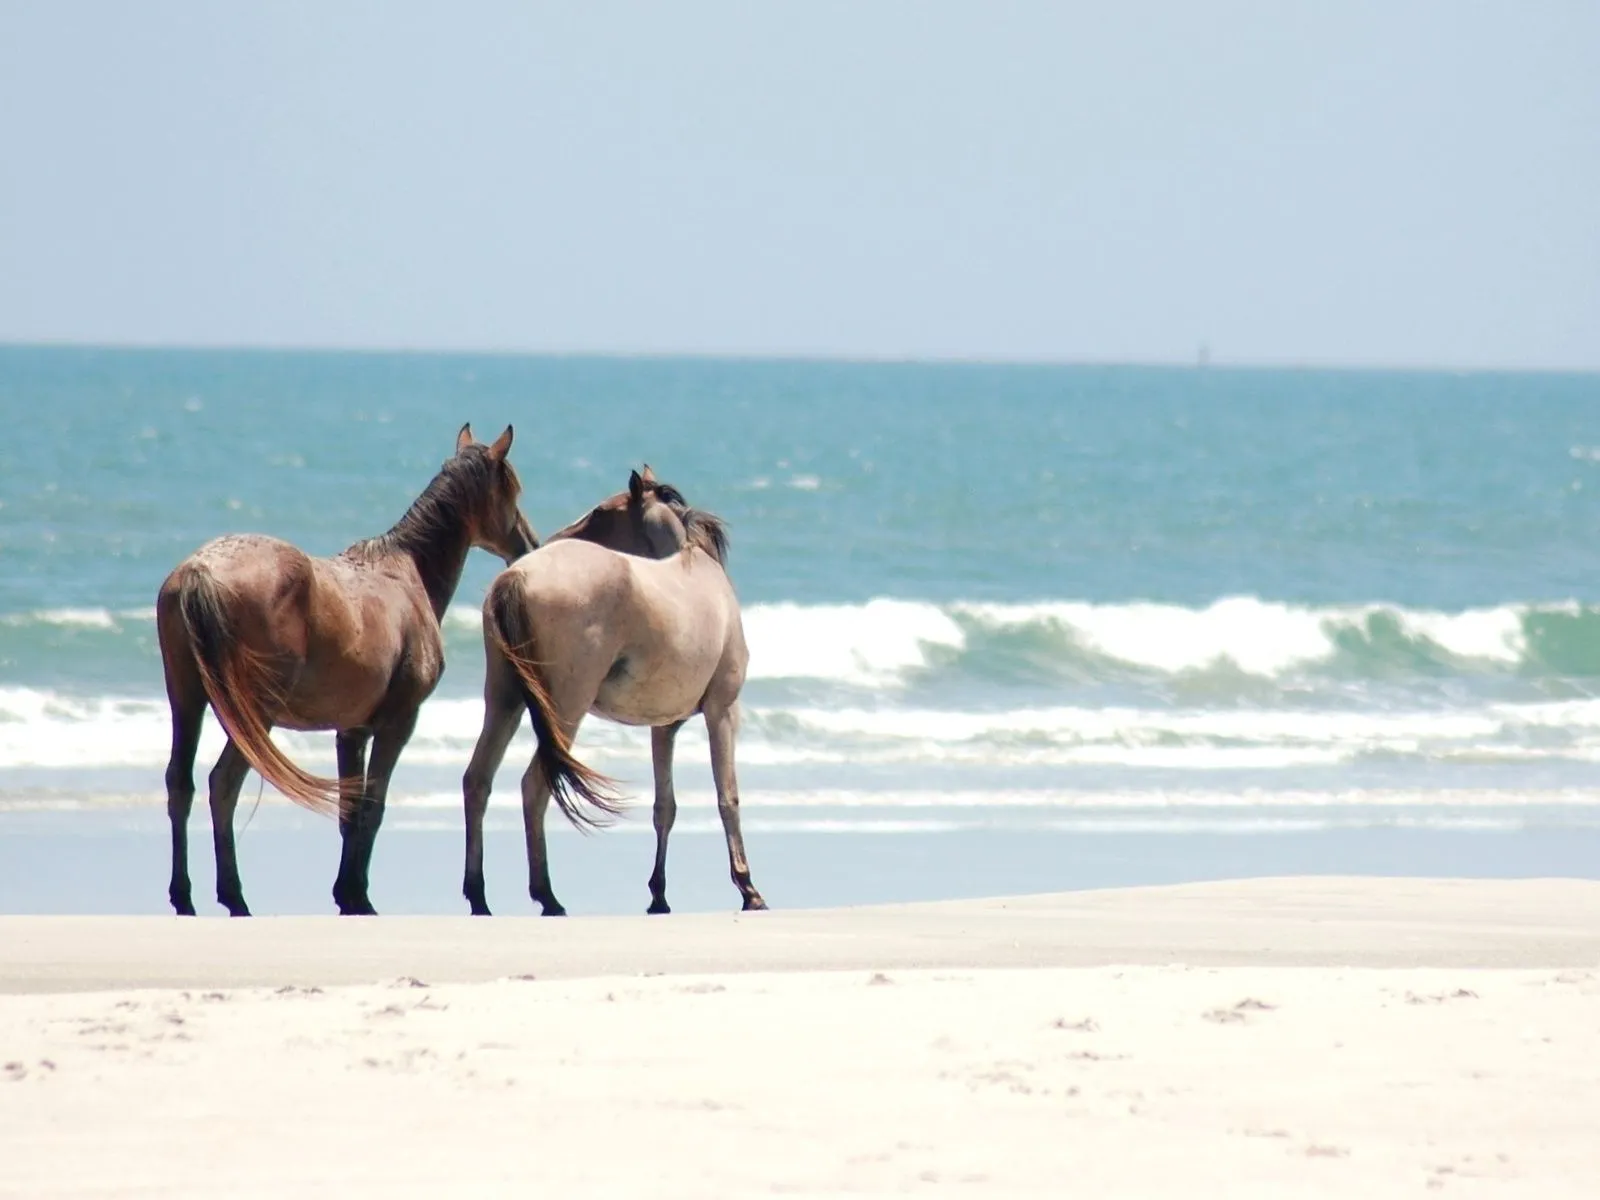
x=576, y=628
x=271, y=636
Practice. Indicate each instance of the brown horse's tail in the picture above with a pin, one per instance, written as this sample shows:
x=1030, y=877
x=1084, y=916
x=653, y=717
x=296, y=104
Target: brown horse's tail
x=511, y=634
x=237, y=680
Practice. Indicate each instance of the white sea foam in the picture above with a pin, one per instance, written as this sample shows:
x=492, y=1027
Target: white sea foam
x=852, y=643
x=43, y=729
x=81, y=618
x=1158, y=809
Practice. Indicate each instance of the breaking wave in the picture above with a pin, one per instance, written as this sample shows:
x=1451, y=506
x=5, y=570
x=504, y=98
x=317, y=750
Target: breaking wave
x=891, y=642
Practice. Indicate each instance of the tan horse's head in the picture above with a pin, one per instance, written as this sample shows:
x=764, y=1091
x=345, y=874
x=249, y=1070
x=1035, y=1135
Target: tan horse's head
x=651, y=520
x=491, y=506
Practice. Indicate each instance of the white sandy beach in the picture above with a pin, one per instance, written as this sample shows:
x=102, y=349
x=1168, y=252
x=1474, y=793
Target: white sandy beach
x=1297, y=1037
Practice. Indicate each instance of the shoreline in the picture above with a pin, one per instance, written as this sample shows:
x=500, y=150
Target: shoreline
x=1350, y=922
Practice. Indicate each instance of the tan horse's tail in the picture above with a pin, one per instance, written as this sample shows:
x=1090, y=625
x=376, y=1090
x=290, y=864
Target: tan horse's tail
x=511, y=634
x=237, y=680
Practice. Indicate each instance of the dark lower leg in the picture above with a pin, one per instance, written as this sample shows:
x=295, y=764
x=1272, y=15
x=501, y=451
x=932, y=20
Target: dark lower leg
x=227, y=777
x=387, y=742
x=351, y=748
x=500, y=720
x=535, y=802
x=662, y=741
x=720, y=729
x=180, y=800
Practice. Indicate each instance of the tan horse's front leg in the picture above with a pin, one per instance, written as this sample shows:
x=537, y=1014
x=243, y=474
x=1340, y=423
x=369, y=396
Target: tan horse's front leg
x=721, y=723
x=662, y=740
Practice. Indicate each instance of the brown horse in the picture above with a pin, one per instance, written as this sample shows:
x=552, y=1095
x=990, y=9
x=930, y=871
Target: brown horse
x=271, y=636
x=576, y=628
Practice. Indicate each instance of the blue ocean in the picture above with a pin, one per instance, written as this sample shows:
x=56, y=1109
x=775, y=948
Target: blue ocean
x=1012, y=627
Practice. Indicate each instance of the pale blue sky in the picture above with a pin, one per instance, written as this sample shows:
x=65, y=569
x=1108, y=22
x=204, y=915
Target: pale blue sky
x=1407, y=183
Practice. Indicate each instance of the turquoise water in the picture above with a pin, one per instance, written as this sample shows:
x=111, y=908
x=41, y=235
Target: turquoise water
x=1112, y=600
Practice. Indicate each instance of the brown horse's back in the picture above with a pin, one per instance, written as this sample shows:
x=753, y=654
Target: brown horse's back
x=329, y=630
x=266, y=582
x=231, y=619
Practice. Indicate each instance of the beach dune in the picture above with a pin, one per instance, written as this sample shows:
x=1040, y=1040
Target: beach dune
x=1263, y=1038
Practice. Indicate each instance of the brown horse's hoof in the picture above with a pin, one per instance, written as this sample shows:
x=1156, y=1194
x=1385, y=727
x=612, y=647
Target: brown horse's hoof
x=658, y=908
x=754, y=903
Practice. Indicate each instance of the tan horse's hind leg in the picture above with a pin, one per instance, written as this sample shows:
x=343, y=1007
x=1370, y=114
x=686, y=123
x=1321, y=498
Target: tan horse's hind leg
x=535, y=804
x=227, y=777
x=502, y=714
x=663, y=738
x=721, y=722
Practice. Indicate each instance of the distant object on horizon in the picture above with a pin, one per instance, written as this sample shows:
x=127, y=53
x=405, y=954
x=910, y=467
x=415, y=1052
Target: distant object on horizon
x=1202, y=357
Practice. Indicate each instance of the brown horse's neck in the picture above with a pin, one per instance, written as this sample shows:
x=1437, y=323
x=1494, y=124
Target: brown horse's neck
x=439, y=564
x=435, y=535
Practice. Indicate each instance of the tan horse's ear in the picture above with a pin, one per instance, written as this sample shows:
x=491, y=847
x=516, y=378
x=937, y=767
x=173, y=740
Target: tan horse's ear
x=636, y=487
x=501, y=446
x=464, y=438
x=648, y=475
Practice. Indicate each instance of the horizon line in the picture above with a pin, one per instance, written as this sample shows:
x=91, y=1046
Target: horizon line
x=819, y=357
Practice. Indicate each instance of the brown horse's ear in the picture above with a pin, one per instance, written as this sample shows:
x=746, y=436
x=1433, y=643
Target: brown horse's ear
x=464, y=438
x=648, y=475
x=636, y=487
x=501, y=445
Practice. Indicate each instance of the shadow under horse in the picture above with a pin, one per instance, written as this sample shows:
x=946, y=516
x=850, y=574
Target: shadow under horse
x=270, y=636
x=649, y=636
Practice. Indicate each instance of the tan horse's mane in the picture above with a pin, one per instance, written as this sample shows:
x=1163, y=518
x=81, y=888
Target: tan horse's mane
x=701, y=529
x=707, y=531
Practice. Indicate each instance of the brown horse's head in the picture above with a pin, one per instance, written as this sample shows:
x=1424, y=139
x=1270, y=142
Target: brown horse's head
x=489, y=501
x=651, y=519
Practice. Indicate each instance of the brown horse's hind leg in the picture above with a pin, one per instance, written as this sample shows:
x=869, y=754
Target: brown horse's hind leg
x=502, y=713
x=662, y=740
x=187, y=717
x=227, y=777
x=361, y=833
x=720, y=724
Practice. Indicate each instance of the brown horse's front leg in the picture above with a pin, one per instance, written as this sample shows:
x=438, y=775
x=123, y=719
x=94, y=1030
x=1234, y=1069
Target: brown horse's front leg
x=350, y=747
x=720, y=723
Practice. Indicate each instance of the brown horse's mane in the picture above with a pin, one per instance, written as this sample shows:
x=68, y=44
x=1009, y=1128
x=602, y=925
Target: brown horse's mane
x=442, y=509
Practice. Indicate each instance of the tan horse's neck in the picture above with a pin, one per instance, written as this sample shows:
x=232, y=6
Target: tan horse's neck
x=650, y=520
